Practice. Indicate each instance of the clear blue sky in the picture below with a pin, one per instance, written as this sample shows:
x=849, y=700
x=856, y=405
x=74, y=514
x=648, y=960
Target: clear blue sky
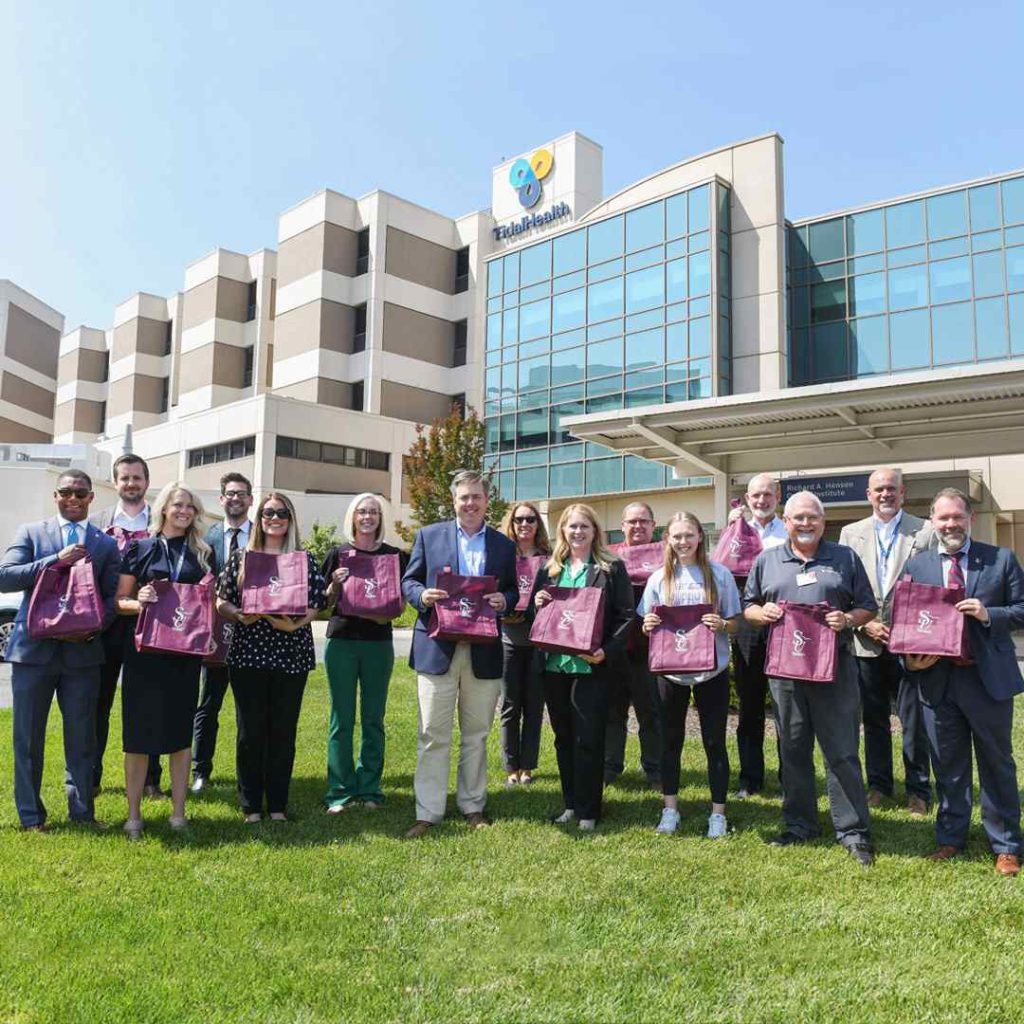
x=137, y=137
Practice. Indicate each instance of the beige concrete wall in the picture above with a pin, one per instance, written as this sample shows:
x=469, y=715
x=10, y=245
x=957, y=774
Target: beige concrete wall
x=162, y=470
x=414, y=404
x=31, y=342
x=219, y=297
x=321, y=391
x=11, y=432
x=208, y=477
x=415, y=259
x=318, y=324
x=82, y=364
x=299, y=475
x=149, y=393
x=29, y=396
x=79, y=414
x=408, y=332
x=212, y=364
x=232, y=299
x=321, y=247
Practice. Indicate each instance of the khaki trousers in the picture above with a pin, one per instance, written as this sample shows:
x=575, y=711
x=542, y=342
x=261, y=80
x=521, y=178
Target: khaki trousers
x=439, y=696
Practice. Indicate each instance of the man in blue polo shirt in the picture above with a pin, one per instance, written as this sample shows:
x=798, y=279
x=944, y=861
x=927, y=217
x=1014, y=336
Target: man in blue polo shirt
x=807, y=569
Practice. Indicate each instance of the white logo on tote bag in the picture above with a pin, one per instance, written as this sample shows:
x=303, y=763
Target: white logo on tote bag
x=274, y=585
x=567, y=619
x=178, y=622
x=799, y=643
x=925, y=621
x=682, y=641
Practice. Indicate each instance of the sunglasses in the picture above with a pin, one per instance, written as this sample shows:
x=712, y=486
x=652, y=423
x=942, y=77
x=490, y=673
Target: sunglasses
x=73, y=492
x=276, y=513
x=524, y=519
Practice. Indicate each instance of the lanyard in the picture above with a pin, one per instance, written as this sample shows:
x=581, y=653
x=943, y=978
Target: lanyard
x=175, y=569
x=885, y=552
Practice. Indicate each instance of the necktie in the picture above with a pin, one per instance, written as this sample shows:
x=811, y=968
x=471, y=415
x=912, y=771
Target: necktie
x=72, y=533
x=956, y=581
x=233, y=543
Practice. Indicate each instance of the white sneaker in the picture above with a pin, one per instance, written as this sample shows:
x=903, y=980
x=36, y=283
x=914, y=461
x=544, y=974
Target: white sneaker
x=588, y=824
x=717, y=826
x=565, y=817
x=669, y=822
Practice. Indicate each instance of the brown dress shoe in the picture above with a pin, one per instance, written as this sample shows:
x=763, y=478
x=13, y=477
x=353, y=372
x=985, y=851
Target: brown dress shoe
x=875, y=798
x=41, y=827
x=917, y=806
x=477, y=819
x=945, y=853
x=419, y=830
x=1007, y=865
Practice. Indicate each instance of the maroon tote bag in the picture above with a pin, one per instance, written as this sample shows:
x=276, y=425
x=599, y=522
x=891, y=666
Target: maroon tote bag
x=641, y=560
x=65, y=601
x=925, y=619
x=124, y=537
x=526, y=573
x=464, y=615
x=372, y=588
x=572, y=622
x=181, y=621
x=275, y=584
x=223, y=634
x=801, y=645
x=682, y=644
x=738, y=547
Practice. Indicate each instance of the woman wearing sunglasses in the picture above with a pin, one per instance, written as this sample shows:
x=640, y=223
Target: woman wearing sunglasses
x=522, y=686
x=270, y=659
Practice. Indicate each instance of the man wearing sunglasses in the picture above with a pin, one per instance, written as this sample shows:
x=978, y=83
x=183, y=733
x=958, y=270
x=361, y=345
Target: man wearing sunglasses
x=70, y=667
x=126, y=520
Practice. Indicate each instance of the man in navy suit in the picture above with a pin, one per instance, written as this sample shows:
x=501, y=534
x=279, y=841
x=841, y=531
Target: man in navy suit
x=970, y=698
x=456, y=675
x=69, y=667
x=224, y=539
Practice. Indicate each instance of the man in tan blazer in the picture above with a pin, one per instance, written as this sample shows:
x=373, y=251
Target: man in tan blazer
x=885, y=541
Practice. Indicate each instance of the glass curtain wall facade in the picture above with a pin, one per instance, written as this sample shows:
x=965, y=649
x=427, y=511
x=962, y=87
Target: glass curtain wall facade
x=627, y=311
x=930, y=282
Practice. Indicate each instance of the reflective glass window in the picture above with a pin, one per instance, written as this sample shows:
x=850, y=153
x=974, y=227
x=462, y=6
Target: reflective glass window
x=867, y=294
x=827, y=241
x=512, y=272
x=675, y=216
x=988, y=274
x=699, y=388
x=990, y=328
x=645, y=378
x=613, y=268
x=566, y=366
x=1015, y=236
x=676, y=274
x=604, y=475
x=605, y=330
x=604, y=357
x=643, y=474
x=986, y=240
x=908, y=287
x=532, y=429
x=949, y=247
x=645, y=396
x=645, y=289
x=800, y=307
x=645, y=227
x=865, y=232
x=828, y=351
x=603, y=402
x=828, y=301
x=494, y=305
x=869, y=339
x=604, y=385
x=700, y=337
x=566, y=480
x=567, y=453
x=491, y=434
x=494, y=269
x=568, y=310
x=569, y=281
x=904, y=224
x=510, y=326
x=558, y=412
x=947, y=215
x=676, y=345
x=604, y=240
x=953, y=334
x=534, y=320
x=701, y=240
x=1015, y=304
x=532, y=483
x=570, y=252
x=645, y=258
x=908, y=338
x=904, y=257
x=534, y=348
x=950, y=280
x=535, y=291
x=984, y=207
x=800, y=356
x=639, y=321
x=1013, y=201
x=494, y=331
x=865, y=264
x=1015, y=268
x=699, y=205
x=507, y=432
x=645, y=349
x=604, y=300
x=492, y=381
x=798, y=255
x=570, y=339
x=700, y=274
x=506, y=483
x=535, y=264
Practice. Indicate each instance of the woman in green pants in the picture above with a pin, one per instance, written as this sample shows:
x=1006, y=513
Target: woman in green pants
x=359, y=657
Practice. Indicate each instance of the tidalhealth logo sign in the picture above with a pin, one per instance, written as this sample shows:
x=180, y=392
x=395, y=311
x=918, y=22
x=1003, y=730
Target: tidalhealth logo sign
x=525, y=176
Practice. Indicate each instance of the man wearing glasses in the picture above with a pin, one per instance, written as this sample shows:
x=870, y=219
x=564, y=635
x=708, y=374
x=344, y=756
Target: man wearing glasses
x=224, y=539
x=633, y=684
x=69, y=667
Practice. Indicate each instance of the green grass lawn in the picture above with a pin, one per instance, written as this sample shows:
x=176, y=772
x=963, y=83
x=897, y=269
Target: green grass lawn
x=337, y=919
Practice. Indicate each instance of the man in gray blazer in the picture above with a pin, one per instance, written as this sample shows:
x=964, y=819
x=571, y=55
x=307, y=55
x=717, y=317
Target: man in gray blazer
x=885, y=541
x=69, y=668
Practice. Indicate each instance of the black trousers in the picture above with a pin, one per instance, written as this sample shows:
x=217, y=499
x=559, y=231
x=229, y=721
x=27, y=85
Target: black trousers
x=268, y=702
x=578, y=709
x=752, y=690
x=630, y=682
x=204, y=732
x=120, y=633
x=712, y=700
x=882, y=679
x=522, y=708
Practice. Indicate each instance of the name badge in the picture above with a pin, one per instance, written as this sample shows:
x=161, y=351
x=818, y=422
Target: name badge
x=804, y=579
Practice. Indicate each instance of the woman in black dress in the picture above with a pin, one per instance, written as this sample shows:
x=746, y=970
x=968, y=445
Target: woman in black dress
x=159, y=692
x=270, y=658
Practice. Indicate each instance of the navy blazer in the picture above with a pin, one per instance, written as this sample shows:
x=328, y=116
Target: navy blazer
x=435, y=547
x=995, y=578
x=215, y=538
x=36, y=546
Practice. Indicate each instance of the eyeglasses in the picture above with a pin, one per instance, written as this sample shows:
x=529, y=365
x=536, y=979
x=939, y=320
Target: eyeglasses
x=524, y=519
x=236, y=494
x=73, y=492
x=276, y=513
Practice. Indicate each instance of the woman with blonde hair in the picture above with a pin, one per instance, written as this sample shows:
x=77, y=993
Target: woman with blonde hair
x=270, y=659
x=688, y=576
x=576, y=687
x=359, y=658
x=522, y=685
x=159, y=692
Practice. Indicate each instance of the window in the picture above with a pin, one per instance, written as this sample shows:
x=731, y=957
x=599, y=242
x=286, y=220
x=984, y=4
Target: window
x=362, y=251
x=250, y=313
x=459, y=400
x=165, y=394
x=359, y=329
x=462, y=270
x=103, y=417
x=336, y=454
x=459, y=343
x=168, y=339
x=221, y=452
x=358, y=391
x=247, y=367
x=106, y=366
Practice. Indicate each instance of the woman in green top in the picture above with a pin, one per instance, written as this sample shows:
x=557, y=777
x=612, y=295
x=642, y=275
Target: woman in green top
x=576, y=687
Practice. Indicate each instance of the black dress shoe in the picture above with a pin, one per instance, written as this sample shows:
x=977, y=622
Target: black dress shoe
x=199, y=783
x=861, y=852
x=788, y=839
